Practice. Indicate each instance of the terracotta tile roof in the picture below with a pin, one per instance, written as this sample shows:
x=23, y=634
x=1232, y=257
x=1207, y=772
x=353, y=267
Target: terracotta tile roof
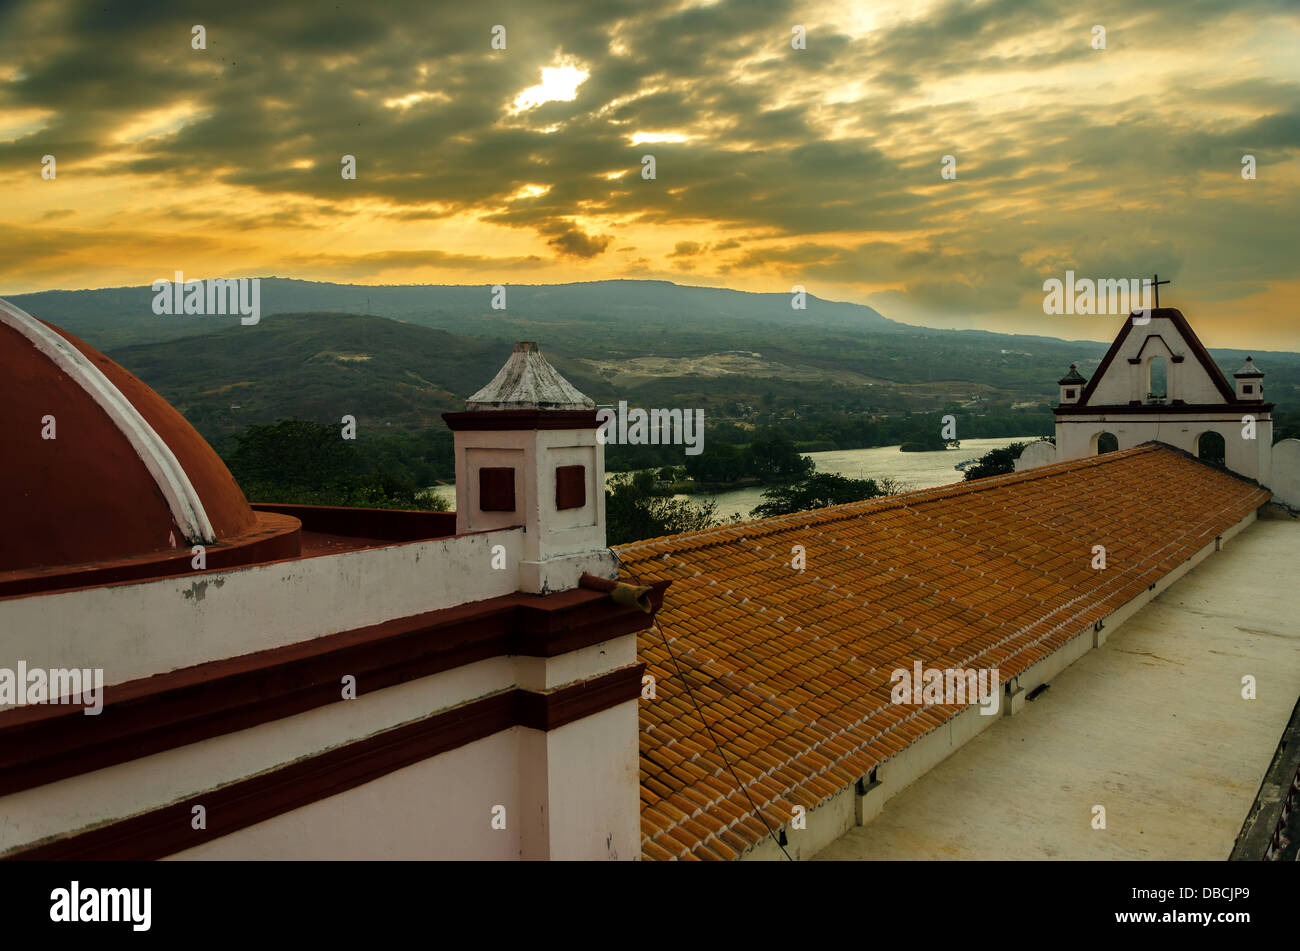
x=791, y=670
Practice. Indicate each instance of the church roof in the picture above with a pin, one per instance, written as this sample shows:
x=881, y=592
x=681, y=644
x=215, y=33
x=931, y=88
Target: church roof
x=792, y=669
x=1072, y=377
x=528, y=381
x=102, y=473
x=1249, y=369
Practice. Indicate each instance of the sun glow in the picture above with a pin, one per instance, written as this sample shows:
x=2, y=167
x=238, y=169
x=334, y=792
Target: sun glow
x=559, y=84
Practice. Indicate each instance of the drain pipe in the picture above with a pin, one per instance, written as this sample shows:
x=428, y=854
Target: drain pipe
x=620, y=592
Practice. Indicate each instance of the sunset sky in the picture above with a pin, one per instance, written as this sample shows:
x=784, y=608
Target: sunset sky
x=774, y=166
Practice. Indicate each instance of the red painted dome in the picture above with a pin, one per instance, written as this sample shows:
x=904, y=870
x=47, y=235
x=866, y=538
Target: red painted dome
x=102, y=478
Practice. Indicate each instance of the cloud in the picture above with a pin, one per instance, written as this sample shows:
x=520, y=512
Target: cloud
x=379, y=261
x=687, y=249
x=574, y=242
x=825, y=160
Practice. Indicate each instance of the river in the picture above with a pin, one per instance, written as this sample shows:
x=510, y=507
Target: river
x=915, y=470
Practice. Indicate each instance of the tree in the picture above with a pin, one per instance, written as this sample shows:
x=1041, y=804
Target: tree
x=302, y=462
x=772, y=457
x=719, y=462
x=816, y=491
x=890, y=486
x=996, y=462
x=632, y=513
x=929, y=442
x=294, y=452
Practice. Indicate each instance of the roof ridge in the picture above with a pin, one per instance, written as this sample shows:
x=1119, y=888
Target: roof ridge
x=762, y=526
x=1216, y=467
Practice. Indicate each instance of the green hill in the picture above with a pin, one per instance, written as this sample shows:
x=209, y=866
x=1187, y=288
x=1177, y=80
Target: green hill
x=319, y=367
x=746, y=359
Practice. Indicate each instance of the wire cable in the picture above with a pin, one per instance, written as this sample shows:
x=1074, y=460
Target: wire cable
x=716, y=745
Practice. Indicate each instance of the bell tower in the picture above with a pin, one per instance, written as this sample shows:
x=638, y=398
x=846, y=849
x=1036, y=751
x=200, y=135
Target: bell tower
x=1199, y=411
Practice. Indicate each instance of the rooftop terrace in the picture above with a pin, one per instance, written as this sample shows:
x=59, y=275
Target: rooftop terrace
x=1152, y=726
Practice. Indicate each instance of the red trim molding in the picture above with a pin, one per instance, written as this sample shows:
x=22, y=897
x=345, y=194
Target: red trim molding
x=398, y=525
x=515, y=419
x=273, y=537
x=552, y=710
x=168, y=830
x=1163, y=409
x=40, y=744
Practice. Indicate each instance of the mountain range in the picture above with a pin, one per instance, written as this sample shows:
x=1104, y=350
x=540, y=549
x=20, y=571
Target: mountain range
x=398, y=356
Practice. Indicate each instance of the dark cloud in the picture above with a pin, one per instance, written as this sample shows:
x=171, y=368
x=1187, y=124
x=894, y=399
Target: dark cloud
x=575, y=242
x=363, y=264
x=802, y=152
x=687, y=249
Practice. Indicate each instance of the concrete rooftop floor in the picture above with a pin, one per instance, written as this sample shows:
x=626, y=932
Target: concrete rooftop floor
x=1152, y=726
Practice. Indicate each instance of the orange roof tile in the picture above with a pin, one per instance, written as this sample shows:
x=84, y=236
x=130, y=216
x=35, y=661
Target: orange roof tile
x=792, y=669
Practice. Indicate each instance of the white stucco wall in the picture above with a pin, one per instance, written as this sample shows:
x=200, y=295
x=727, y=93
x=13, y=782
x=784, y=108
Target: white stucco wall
x=1076, y=436
x=570, y=793
x=580, y=779
x=1187, y=381
x=1286, y=472
x=150, y=782
x=573, y=541
x=441, y=808
x=535, y=455
x=136, y=629
x=581, y=788
x=1036, y=454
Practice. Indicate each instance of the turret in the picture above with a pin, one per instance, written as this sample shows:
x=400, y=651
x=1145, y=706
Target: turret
x=1250, y=382
x=527, y=454
x=1072, y=385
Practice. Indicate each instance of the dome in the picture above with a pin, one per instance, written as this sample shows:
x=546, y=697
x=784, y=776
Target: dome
x=103, y=479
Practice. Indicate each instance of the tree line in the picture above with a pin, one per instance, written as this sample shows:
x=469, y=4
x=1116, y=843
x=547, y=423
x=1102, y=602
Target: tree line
x=305, y=462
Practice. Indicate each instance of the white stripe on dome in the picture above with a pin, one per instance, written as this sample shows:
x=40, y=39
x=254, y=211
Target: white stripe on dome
x=184, y=502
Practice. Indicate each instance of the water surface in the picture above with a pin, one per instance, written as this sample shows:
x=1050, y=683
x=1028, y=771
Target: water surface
x=916, y=470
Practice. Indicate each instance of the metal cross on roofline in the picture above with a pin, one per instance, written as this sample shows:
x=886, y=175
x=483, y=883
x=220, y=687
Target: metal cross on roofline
x=1156, y=282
